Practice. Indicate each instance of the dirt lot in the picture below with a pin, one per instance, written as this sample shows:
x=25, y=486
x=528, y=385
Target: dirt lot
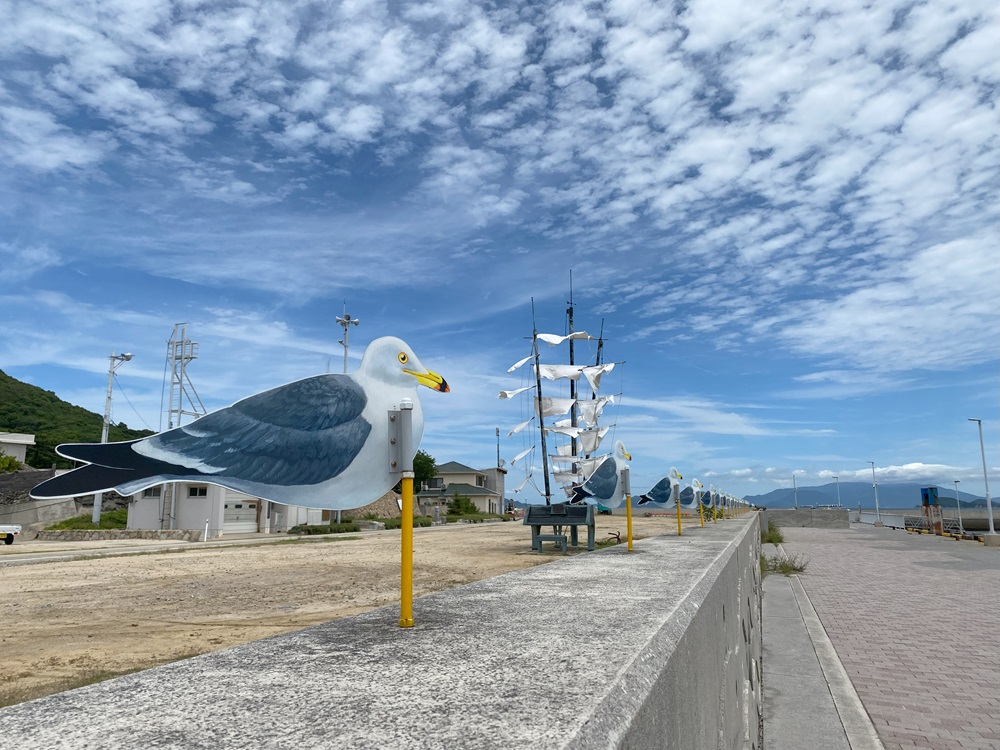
x=69, y=622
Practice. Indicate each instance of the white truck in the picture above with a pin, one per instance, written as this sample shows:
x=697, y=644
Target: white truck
x=8, y=531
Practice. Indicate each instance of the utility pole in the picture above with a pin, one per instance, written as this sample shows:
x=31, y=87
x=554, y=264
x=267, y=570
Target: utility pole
x=116, y=361
x=878, y=515
x=346, y=321
x=795, y=492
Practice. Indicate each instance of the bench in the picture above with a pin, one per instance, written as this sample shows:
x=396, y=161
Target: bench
x=559, y=515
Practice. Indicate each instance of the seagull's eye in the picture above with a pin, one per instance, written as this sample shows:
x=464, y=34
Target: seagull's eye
x=402, y=358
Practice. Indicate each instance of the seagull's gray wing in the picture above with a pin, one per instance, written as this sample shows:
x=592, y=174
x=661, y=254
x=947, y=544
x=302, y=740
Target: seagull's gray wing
x=603, y=481
x=687, y=494
x=301, y=433
x=660, y=493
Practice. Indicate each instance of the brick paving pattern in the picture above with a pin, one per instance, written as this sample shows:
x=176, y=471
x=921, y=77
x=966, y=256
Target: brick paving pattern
x=916, y=622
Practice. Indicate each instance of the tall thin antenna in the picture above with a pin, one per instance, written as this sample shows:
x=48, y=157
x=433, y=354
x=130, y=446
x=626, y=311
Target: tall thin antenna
x=538, y=399
x=346, y=321
x=572, y=383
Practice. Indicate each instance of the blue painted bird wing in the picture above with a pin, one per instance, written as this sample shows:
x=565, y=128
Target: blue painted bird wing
x=660, y=493
x=301, y=433
x=602, y=483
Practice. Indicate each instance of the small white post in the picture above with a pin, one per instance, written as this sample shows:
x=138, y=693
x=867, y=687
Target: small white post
x=206, y=531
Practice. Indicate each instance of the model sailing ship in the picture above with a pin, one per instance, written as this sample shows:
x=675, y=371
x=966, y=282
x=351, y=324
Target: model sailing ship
x=568, y=427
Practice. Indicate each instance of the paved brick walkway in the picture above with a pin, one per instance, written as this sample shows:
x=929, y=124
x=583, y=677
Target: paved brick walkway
x=916, y=622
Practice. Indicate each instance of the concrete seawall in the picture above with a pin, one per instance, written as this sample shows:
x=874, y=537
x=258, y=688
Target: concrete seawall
x=656, y=648
x=817, y=518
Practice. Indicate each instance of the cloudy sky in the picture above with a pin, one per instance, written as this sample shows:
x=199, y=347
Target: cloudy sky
x=784, y=215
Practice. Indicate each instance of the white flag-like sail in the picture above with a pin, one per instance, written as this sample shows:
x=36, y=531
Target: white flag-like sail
x=517, y=428
x=521, y=455
x=591, y=409
x=560, y=372
x=511, y=394
x=552, y=339
x=590, y=440
x=555, y=406
x=593, y=374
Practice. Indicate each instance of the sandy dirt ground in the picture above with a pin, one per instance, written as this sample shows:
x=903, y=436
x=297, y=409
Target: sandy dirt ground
x=70, y=621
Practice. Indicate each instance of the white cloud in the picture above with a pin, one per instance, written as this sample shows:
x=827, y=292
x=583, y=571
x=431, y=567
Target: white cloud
x=18, y=262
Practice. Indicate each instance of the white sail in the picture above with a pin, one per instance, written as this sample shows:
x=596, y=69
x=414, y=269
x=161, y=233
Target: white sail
x=590, y=409
x=593, y=374
x=521, y=455
x=552, y=339
x=554, y=406
x=519, y=363
x=511, y=394
x=591, y=439
x=518, y=427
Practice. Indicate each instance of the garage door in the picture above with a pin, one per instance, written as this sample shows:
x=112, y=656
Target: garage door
x=240, y=516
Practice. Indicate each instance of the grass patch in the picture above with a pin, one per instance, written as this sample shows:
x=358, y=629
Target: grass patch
x=113, y=519
x=330, y=528
x=785, y=566
x=470, y=517
x=397, y=523
x=772, y=535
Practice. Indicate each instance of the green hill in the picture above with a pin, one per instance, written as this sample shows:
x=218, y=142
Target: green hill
x=27, y=408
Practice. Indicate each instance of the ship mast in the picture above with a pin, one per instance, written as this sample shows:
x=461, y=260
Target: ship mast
x=538, y=401
x=572, y=361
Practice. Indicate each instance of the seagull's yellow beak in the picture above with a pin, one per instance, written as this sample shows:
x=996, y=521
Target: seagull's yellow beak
x=628, y=456
x=431, y=379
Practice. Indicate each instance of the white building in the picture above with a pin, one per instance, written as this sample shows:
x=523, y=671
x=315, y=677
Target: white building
x=192, y=505
x=484, y=487
x=15, y=444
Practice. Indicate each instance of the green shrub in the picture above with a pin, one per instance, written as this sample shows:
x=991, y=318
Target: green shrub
x=397, y=523
x=772, y=535
x=333, y=528
x=785, y=566
x=8, y=464
x=112, y=519
x=461, y=505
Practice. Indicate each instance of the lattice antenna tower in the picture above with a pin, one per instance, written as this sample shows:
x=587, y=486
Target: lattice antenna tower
x=184, y=399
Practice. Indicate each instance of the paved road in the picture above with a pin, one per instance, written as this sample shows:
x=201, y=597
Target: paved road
x=915, y=621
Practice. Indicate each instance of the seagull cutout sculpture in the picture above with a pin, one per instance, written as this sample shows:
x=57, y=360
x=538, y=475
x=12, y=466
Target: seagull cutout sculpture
x=321, y=442
x=688, y=497
x=664, y=493
x=604, y=487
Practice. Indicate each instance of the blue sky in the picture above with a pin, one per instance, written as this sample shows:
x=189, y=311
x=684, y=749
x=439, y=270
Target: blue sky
x=785, y=214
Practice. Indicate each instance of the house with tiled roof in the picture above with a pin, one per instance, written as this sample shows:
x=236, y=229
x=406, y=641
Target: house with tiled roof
x=485, y=487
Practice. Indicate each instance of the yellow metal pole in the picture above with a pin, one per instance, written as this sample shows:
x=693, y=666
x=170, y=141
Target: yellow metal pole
x=406, y=555
x=701, y=513
x=628, y=519
x=679, y=533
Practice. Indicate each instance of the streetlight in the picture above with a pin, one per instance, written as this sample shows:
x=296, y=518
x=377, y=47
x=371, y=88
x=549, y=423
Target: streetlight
x=878, y=516
x=838, y=491
x=958, y=505
x=116, y=361
x=795, y=492
x=986, y=481
x=346, y=321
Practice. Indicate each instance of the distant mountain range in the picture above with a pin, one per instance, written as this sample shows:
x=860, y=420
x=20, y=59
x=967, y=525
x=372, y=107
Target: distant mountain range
x=895, y=495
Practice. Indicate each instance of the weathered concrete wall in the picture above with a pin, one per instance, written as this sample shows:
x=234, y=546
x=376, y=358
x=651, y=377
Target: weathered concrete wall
x=818, y=518
x=39, y=511
x=657, y=648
